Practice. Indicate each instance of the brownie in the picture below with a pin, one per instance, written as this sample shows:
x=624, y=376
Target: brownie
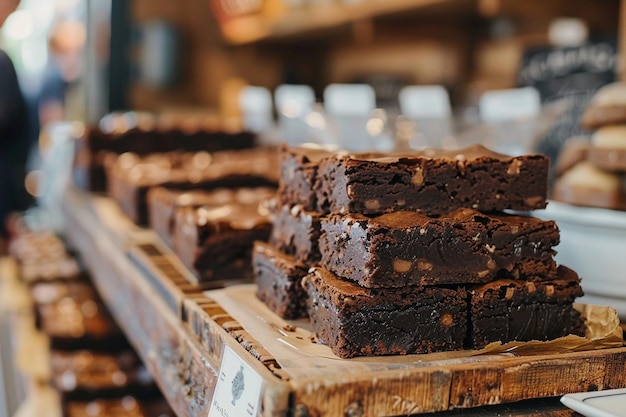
x=73, y=317
x=63, y=268
x=131, y=176
x=296, y=231
x=126, y=406
x=608, y=148
x=279, y=281
x=298, y=170
x=589, y=186
x=508, y=310
x=84, y=374
x=215, y=242
x=141, y=134
x=607, y=107
x=409, y=248
x=163, y=202
x=37, y=246
x=356, y=321
x=431, y=181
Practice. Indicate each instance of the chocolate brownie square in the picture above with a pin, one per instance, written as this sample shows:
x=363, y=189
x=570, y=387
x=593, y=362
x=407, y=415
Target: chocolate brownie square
x=296, y=232
x=508, y=310
x=432, y=182
x=356, y=321
x=298, y=170
x=140, y=134
x=279, y=281
x=126, y=406
x=131, y=176
x=409, y=248
x=163, y=202
x=85, y=374
x=74, y=317
x=215, y=242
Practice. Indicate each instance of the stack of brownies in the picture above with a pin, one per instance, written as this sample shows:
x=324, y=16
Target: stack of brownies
x=92, y=365
x=412, y=253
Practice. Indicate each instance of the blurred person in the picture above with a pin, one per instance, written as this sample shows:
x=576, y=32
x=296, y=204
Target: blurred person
x=14, y=136
x=63, y=70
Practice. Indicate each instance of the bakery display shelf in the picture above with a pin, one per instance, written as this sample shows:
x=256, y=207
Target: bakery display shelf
x=181, y=332
x=146, y=310
x=324, y=15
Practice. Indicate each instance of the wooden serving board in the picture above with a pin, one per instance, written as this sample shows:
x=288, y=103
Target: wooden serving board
x=181, y=332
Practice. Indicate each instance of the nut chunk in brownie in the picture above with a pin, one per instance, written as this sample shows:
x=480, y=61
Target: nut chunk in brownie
x=296, y=232
x=508, y=310
x=215, y=242
x=409, y=248
x=298, y=169
x=278, y=277
x=356, y=321
x=432, y=182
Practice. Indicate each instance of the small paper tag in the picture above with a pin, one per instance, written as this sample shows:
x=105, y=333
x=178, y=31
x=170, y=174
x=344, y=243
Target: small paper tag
x=238, y=389
x=507, y=105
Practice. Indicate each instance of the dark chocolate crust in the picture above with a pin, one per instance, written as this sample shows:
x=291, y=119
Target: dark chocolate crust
x=465, y=246
x=89, y=172
x=73, y=317
x=355, y=321
x=130, y=176
x=215, y=243
x=432, y=182
x=296, y=232
x=163, y=202
x=279, y=281
x=298, y=170
x=508, y=310
x=85, y=375
x=123, y=406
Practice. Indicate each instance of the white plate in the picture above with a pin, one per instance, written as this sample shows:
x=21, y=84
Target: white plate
x=593, y=243
x=609, y=403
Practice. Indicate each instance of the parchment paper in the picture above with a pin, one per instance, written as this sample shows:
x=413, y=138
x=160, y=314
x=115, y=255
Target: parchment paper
x=293, y=344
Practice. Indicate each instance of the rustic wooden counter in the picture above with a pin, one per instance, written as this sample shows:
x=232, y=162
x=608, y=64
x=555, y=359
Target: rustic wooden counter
x=180, y=331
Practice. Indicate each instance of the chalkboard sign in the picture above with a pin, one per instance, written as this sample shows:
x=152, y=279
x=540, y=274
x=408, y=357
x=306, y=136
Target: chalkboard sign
x=568, y=73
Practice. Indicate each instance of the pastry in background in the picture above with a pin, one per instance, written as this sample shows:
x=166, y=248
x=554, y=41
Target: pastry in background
x=608, y=148
x=575, y=150
x=607, y=107
x=587, y=185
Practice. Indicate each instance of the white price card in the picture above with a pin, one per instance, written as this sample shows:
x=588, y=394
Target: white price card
x=238, y=389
